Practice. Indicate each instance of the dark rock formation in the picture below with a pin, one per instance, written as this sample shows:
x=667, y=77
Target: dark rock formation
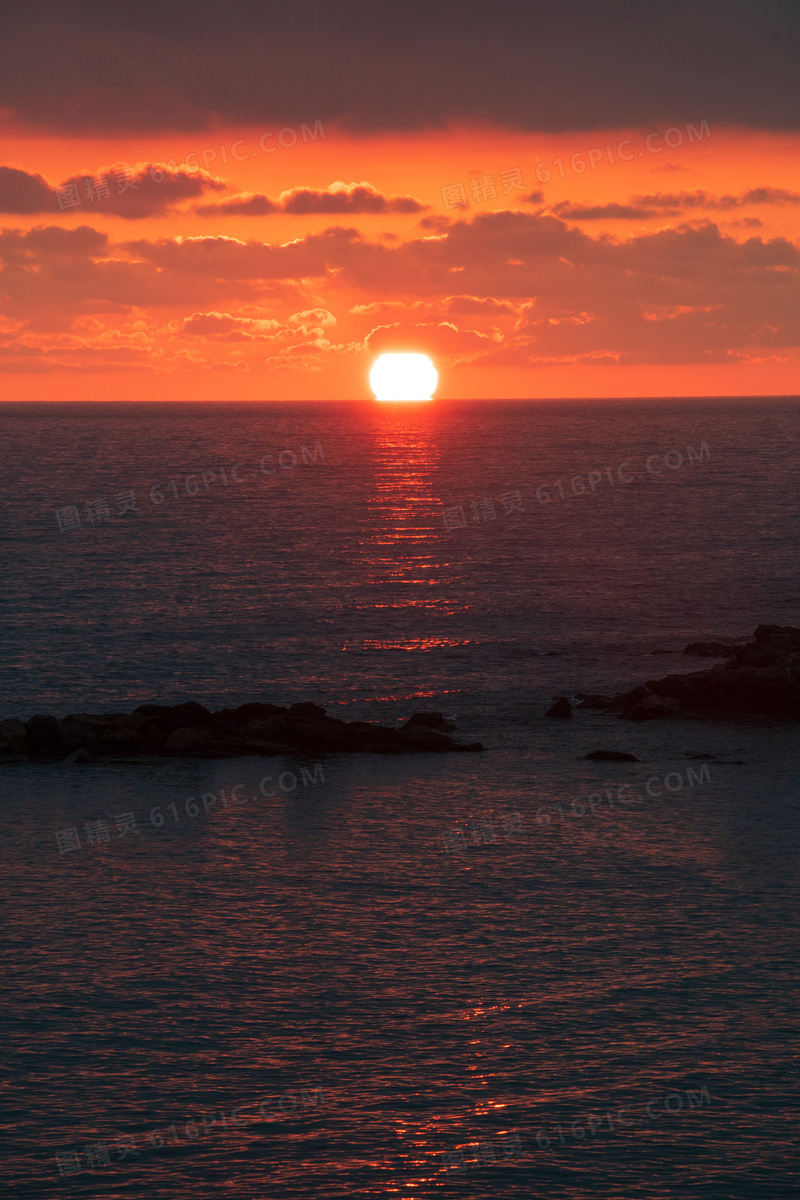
x=611, y=756
x=190, y=730
x=760, y=678
x=709, y=649
x=593, y=701
x=561, y=708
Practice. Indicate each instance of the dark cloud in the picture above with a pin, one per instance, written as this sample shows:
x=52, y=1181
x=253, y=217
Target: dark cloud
x=120, y=191
x=24, y=193
x=400, y=64
x=599, y=212
x=338, y=198
x=674, y=203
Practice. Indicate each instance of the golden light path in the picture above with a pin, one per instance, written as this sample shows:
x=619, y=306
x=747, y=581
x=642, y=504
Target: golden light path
x=403, y=377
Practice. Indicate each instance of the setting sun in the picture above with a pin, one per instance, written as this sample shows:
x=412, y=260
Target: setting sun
x=403, y=377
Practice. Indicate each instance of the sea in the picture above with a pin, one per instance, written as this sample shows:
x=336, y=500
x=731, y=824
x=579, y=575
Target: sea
x=513, y=973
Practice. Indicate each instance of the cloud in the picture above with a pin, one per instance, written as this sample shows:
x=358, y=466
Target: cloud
x=119, y=191
x=600, y=212
x=675, y=203
x=91, y=66
x=21, y=192
x=337, y=198
x=531, y=288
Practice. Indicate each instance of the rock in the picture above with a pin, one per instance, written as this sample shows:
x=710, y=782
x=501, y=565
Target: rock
x=627, y=699
x=561, y=708
x=78, y=756
x=425, y=738
x=650, y=708
x=155, y=737
x=321, y=737
x=248, y=712
x=611, y=756
x=709, y=649
x=430, y=720
x=266, y=749
x=308, y=709
x=193, y=731
x=184, y=739
x=43, y=738
x=256, y=728
x=758, y=679
x=133, y=721
x=12, y=735
x=122, y=741
x=783, y=635
x=191, y=713
x=89, y=720
x=594, y=702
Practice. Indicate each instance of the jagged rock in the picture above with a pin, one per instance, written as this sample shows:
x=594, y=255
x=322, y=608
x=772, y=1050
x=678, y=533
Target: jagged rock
x=185, y=739
x=593, y=701
x=709, y=649
x=12, y=736
x=561, y=708
x=611, y=756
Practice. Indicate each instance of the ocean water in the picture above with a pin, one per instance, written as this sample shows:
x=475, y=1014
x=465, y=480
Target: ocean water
x=506, y=956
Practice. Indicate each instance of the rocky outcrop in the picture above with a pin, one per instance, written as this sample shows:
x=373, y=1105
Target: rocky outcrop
x=709, y=649
x=561, y=708
x=191, y=730
x=760, y=678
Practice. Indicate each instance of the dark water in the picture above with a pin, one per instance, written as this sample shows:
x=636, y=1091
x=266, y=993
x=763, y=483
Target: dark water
x=522, y=981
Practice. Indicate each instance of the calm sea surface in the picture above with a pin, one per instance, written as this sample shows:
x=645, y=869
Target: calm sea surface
x=463, y=956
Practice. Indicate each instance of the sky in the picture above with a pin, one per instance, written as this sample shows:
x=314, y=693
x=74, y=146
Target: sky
x=251, y=201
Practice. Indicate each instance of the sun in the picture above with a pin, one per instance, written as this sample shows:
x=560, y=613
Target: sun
x=403, y=377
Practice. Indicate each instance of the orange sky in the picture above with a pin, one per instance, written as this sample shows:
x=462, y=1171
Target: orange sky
x=689, y=288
